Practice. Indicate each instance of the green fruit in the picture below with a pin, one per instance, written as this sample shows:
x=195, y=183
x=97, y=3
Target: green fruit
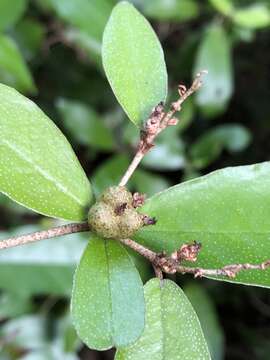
x=129, y=223
x=116, y=196
x=103, y=221
x=113, y=216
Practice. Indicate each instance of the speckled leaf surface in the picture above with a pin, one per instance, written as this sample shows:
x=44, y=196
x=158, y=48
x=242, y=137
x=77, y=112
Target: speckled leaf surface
x=38, y=167
x=134, y=62
x=172, y=329
x=107, y=301
x=227, y=211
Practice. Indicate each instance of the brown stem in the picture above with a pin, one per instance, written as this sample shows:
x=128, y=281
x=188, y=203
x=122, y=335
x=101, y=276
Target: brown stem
x=157, y=122
x=171, y=264
x=148, y=254
x=44, y=234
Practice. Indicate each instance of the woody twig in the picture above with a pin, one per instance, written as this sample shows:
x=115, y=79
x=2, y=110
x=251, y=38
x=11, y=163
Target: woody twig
x=157, y=122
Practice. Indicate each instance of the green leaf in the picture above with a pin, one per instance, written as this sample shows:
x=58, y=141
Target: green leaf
x=29, y=35
x=214, y=55
x=225, y=211
x=13, y=69
x=148, y=183
x=13, y=304
x=40, y=268
x=88, y=18
x=38, y=167
x=109, y=172
x=11, y=11
x=224, y=6
x=172, y=329
x=85, y=125
x=233, y=137
x=134, y=62
x=208, y=317
x=255, y=16
x=168, y=153
x=107, y=301
x=174, y=10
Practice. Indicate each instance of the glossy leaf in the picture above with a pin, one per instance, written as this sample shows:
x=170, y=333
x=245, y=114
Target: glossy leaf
x=233, y=137
x=255, y=16
x=85, y=125
x=172, y=329
x=45, y=267
x=11, y=11
x=134, y=62
x=225, y=211
x=214, y=55
x=207, y=314
x=13, y=69
x=107, y=300
x=38, y=167
x=174, y=10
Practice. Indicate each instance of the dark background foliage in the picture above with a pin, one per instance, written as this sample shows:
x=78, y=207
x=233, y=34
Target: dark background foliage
x=50, y=51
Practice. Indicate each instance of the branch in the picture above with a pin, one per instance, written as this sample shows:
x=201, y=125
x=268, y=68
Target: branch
x=172, y=264
x=44, y=234
x=157, y=122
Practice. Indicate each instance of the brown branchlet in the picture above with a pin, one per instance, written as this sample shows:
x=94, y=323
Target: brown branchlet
x=172, y=264
x=188, y=252
x=157, y=122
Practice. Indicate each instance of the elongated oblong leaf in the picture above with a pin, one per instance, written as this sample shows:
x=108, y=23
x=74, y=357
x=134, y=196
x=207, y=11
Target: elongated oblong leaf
x=174, y=10
x=13, y=68
x=214, y=55
x=38, y=167
x=85, y=124
x=207, y=314
x=172, y=329
x=134, y=62
x=107, y=301
x=233, y=137
x=88, y=19
x=255, y=16
x=227, y=211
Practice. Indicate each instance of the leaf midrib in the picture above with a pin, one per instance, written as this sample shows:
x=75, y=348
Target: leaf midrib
x=40, y=170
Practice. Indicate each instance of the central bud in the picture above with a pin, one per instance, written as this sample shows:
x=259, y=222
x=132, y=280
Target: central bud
x=114, y=216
